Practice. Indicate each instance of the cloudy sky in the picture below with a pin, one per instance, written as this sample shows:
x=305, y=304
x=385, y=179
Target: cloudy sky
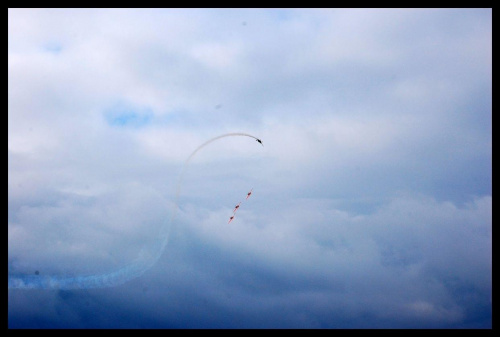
x=371, y=204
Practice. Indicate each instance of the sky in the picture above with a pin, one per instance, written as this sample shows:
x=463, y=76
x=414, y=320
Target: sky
x=371, y=201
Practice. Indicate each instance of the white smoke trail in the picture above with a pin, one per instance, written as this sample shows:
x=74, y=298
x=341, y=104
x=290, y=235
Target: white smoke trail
x=148, y=256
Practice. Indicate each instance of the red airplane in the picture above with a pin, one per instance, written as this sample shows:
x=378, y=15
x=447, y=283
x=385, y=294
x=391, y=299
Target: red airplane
x=236, y=207
x=231, y=219
x=249, y=193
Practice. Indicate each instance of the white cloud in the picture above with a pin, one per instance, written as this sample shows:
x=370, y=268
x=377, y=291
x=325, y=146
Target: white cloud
x=377, y=139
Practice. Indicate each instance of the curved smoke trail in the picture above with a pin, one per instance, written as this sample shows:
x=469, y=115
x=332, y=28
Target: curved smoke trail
x=146, y=259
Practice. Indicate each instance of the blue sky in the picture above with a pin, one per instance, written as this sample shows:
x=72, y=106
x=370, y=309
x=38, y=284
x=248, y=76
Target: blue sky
x=372, y=198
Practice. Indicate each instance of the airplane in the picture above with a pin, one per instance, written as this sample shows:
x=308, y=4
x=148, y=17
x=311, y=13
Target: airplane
x=248, y=194
x=260, y=141
x=236, y=207
x=231, y=219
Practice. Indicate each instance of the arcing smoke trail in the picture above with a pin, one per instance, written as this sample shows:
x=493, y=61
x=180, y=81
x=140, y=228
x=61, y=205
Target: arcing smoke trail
x=146, y=259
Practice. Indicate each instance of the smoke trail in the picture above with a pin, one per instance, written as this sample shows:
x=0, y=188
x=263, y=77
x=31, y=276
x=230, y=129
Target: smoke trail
x=148, y=256
x=186, y=163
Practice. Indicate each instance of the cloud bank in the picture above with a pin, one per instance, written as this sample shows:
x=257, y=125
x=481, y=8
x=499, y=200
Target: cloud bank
x=372, y=194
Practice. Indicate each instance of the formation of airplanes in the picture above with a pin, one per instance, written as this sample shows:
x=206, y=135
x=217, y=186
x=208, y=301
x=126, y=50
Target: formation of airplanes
x=248, y=194
x=238, y=205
